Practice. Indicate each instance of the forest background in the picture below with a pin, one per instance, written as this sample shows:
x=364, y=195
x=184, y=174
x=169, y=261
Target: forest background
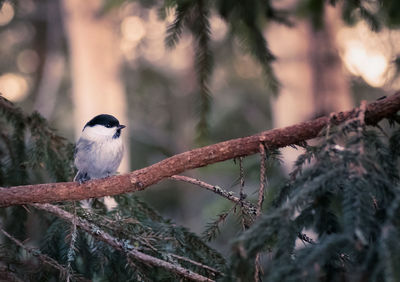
x=183, y=74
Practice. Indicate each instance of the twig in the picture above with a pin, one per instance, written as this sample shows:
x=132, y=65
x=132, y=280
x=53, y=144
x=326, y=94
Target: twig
x=71, y=249
x=303, y=237
x=363, y=109
x=251, y=209
x=42, y=257
x=117, y=244
x=241, y=176
x=259, y=270
x=261, y=190
x=7, y=275
x=215, y=271
x=145, y=177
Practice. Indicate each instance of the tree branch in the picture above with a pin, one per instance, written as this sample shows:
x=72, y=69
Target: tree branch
x=143, y=178
x=251, y=209
x=64, y=272
x=117, y=244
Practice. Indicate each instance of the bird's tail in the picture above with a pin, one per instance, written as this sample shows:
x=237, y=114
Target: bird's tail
x=81, y=177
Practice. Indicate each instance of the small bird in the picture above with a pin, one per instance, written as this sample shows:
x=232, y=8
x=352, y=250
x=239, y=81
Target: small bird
x=99, y=150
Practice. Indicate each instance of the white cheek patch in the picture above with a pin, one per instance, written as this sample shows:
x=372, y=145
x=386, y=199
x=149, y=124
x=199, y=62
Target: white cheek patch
x=90, y=132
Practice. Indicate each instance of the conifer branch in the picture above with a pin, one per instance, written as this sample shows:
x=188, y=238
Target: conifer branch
x=71, y=250
x=257, y=262
x=216, y=189
x=206, y=267
x=64, y=272
x=7, y=275
x=117, y=244
x=145, y=177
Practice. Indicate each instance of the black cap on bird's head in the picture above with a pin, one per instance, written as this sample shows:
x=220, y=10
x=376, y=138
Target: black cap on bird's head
x=108, y=121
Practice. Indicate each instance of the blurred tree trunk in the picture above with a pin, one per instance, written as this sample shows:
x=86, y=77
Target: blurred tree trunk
x=330, y=87
x=54, y=65
x=310, y=70
x=95, y=65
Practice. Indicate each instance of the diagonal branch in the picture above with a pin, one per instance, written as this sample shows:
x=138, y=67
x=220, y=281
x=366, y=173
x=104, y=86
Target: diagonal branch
x=217, y=190
x=143, y=178
x=43, y=258
x=117, y=244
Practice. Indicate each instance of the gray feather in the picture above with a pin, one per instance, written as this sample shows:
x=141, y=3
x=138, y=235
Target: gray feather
x=97, y=159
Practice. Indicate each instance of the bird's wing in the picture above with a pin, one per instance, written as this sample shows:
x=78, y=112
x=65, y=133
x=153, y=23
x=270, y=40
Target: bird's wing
x=82, y=153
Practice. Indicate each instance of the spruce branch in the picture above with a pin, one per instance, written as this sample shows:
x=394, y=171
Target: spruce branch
x=64, y=272
x=141, y=179
x=206, y=267
x=7, y=275
x=212, y=229
x=120, y=245
x=217, y=190
x=71, y=249
x=201, y=32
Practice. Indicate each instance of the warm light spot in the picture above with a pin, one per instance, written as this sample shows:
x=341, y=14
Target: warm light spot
x=14, y=87
x=6, y=13
x=218, y=28
x=370, y=65
x=27, y=61
x=132, y=28
x=374, y=73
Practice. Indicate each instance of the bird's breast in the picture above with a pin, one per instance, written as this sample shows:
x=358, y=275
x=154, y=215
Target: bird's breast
x=108, y=155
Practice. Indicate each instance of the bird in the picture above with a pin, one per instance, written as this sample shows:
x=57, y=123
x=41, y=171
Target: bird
x=99, y=150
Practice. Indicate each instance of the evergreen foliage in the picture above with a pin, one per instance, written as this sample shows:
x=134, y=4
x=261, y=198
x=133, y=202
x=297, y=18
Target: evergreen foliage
x=246, y=20
x=38, y=154
x=337, y=219
x=348, y=200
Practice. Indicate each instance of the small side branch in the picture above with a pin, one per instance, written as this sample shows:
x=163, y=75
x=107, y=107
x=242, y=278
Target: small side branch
x=250, y=208
x=257, y=262
x=71, y=250
x=43, y=258
x=261, y=190
x=206, y=267
x=117, y=244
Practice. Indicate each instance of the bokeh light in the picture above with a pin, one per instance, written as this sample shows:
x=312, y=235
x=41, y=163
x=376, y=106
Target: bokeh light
x=6, y=13
x=218, y=28
x=369, y=54
x=132, y=28
x=13, y=87
x=370, y=65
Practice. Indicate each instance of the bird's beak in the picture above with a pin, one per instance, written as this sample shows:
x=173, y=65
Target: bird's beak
x=121, y=126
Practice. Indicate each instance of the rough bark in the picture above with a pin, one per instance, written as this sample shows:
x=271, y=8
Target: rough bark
x=143, y=178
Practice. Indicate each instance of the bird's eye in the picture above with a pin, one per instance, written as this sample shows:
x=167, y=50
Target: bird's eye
x=108, y=125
